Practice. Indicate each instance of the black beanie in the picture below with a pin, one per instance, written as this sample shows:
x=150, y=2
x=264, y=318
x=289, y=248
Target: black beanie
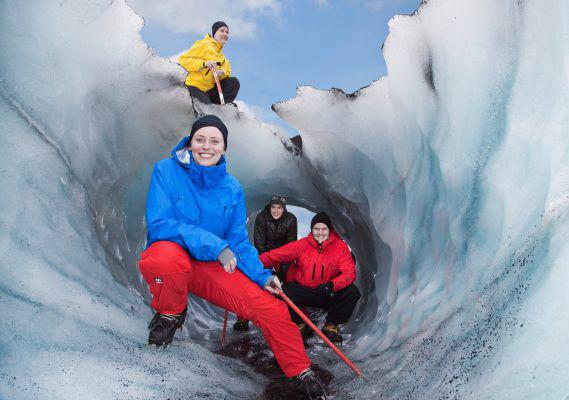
x=280, y=200
x=216, y=26
x=209, y=120
x=321, y=217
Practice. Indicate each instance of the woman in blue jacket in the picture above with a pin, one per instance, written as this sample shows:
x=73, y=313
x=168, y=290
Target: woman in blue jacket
x=197, y=242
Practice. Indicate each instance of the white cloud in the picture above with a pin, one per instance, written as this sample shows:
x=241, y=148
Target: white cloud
x=197, y=16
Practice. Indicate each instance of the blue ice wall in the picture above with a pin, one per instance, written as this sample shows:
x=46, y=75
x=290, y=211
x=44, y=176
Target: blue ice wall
x=449, y=178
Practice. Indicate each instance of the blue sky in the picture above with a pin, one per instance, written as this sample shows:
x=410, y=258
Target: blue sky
x=282, y=44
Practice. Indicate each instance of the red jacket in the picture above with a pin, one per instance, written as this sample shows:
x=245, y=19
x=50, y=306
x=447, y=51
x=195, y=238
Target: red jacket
x=316, y=264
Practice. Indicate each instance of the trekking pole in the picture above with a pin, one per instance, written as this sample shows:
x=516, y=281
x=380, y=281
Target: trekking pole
x=224, y=328
x=221, y=99
x=319, y=333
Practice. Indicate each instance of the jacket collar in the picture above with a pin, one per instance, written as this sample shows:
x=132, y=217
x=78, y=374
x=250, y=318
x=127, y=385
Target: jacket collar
x=213, y=42
x=203, y=177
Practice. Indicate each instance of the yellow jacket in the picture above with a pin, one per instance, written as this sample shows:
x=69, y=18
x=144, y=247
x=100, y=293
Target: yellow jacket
x=193, y=60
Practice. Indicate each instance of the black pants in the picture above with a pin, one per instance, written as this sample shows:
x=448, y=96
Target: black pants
x=340, y=307
x=281, y=273
x=229, y=87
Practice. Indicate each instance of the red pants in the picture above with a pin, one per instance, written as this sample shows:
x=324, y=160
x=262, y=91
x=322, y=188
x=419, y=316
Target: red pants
x=171, y=274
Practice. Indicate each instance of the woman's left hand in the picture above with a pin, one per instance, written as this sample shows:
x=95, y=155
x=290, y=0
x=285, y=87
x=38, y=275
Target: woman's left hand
x=273, y=285
x=218, y=72
x=228, y=260
x=230, y=266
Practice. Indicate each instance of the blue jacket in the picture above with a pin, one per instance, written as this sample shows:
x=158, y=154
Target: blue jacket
x=202, y=209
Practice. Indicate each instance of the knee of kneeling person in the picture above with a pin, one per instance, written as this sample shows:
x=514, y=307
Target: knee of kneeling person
x=290, y=285
x=235, y=82
x=354, y=292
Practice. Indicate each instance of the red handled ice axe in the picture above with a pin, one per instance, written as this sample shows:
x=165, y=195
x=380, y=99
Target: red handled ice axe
x=224, y=328
x=319, y=333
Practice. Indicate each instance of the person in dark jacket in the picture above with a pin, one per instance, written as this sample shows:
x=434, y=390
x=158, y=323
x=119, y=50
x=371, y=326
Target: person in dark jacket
x=275, y=226
x=323, y=275
x=198, y=243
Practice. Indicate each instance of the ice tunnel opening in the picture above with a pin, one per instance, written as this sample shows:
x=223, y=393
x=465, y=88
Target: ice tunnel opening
x=121, y=229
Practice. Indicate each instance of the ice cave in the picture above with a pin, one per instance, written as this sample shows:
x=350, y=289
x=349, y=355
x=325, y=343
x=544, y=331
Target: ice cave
x=449, y=178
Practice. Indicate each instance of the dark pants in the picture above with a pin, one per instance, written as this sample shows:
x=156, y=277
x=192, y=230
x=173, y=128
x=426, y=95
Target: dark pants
x=281, y=273
x=229, y=86
x=340, y=307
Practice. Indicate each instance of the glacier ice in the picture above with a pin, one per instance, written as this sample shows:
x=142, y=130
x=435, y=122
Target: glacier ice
x=448, y=177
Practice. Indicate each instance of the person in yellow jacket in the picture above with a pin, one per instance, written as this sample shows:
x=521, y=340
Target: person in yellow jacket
x=204, y=56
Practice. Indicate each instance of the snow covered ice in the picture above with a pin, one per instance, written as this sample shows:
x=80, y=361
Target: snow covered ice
x=449, y=178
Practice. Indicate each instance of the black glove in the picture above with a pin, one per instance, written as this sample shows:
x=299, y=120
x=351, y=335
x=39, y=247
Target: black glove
x=326, y=290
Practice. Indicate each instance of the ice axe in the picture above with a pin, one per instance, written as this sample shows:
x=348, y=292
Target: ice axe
x=319, y=333
x=224, y=328
x=221, y=99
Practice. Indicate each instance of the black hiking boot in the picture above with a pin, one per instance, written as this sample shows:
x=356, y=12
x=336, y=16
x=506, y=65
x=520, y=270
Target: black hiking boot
x=241, y=325
x=163, y=326
x=332, y=332
x=310, y=386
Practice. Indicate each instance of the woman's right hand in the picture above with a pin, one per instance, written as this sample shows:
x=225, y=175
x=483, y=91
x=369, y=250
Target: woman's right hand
x=228, y=260
x=210, y=64
x=273, y=285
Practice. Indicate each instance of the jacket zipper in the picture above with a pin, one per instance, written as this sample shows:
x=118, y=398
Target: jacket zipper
x=314, y=270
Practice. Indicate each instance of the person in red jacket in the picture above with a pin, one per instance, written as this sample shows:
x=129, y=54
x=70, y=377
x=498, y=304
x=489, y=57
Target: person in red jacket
x=323, y=275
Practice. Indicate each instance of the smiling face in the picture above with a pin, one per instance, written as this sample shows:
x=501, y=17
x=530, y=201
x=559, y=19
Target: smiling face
x=207, y=146
x=320, y=232
x=222, y=35
x=277, y=211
